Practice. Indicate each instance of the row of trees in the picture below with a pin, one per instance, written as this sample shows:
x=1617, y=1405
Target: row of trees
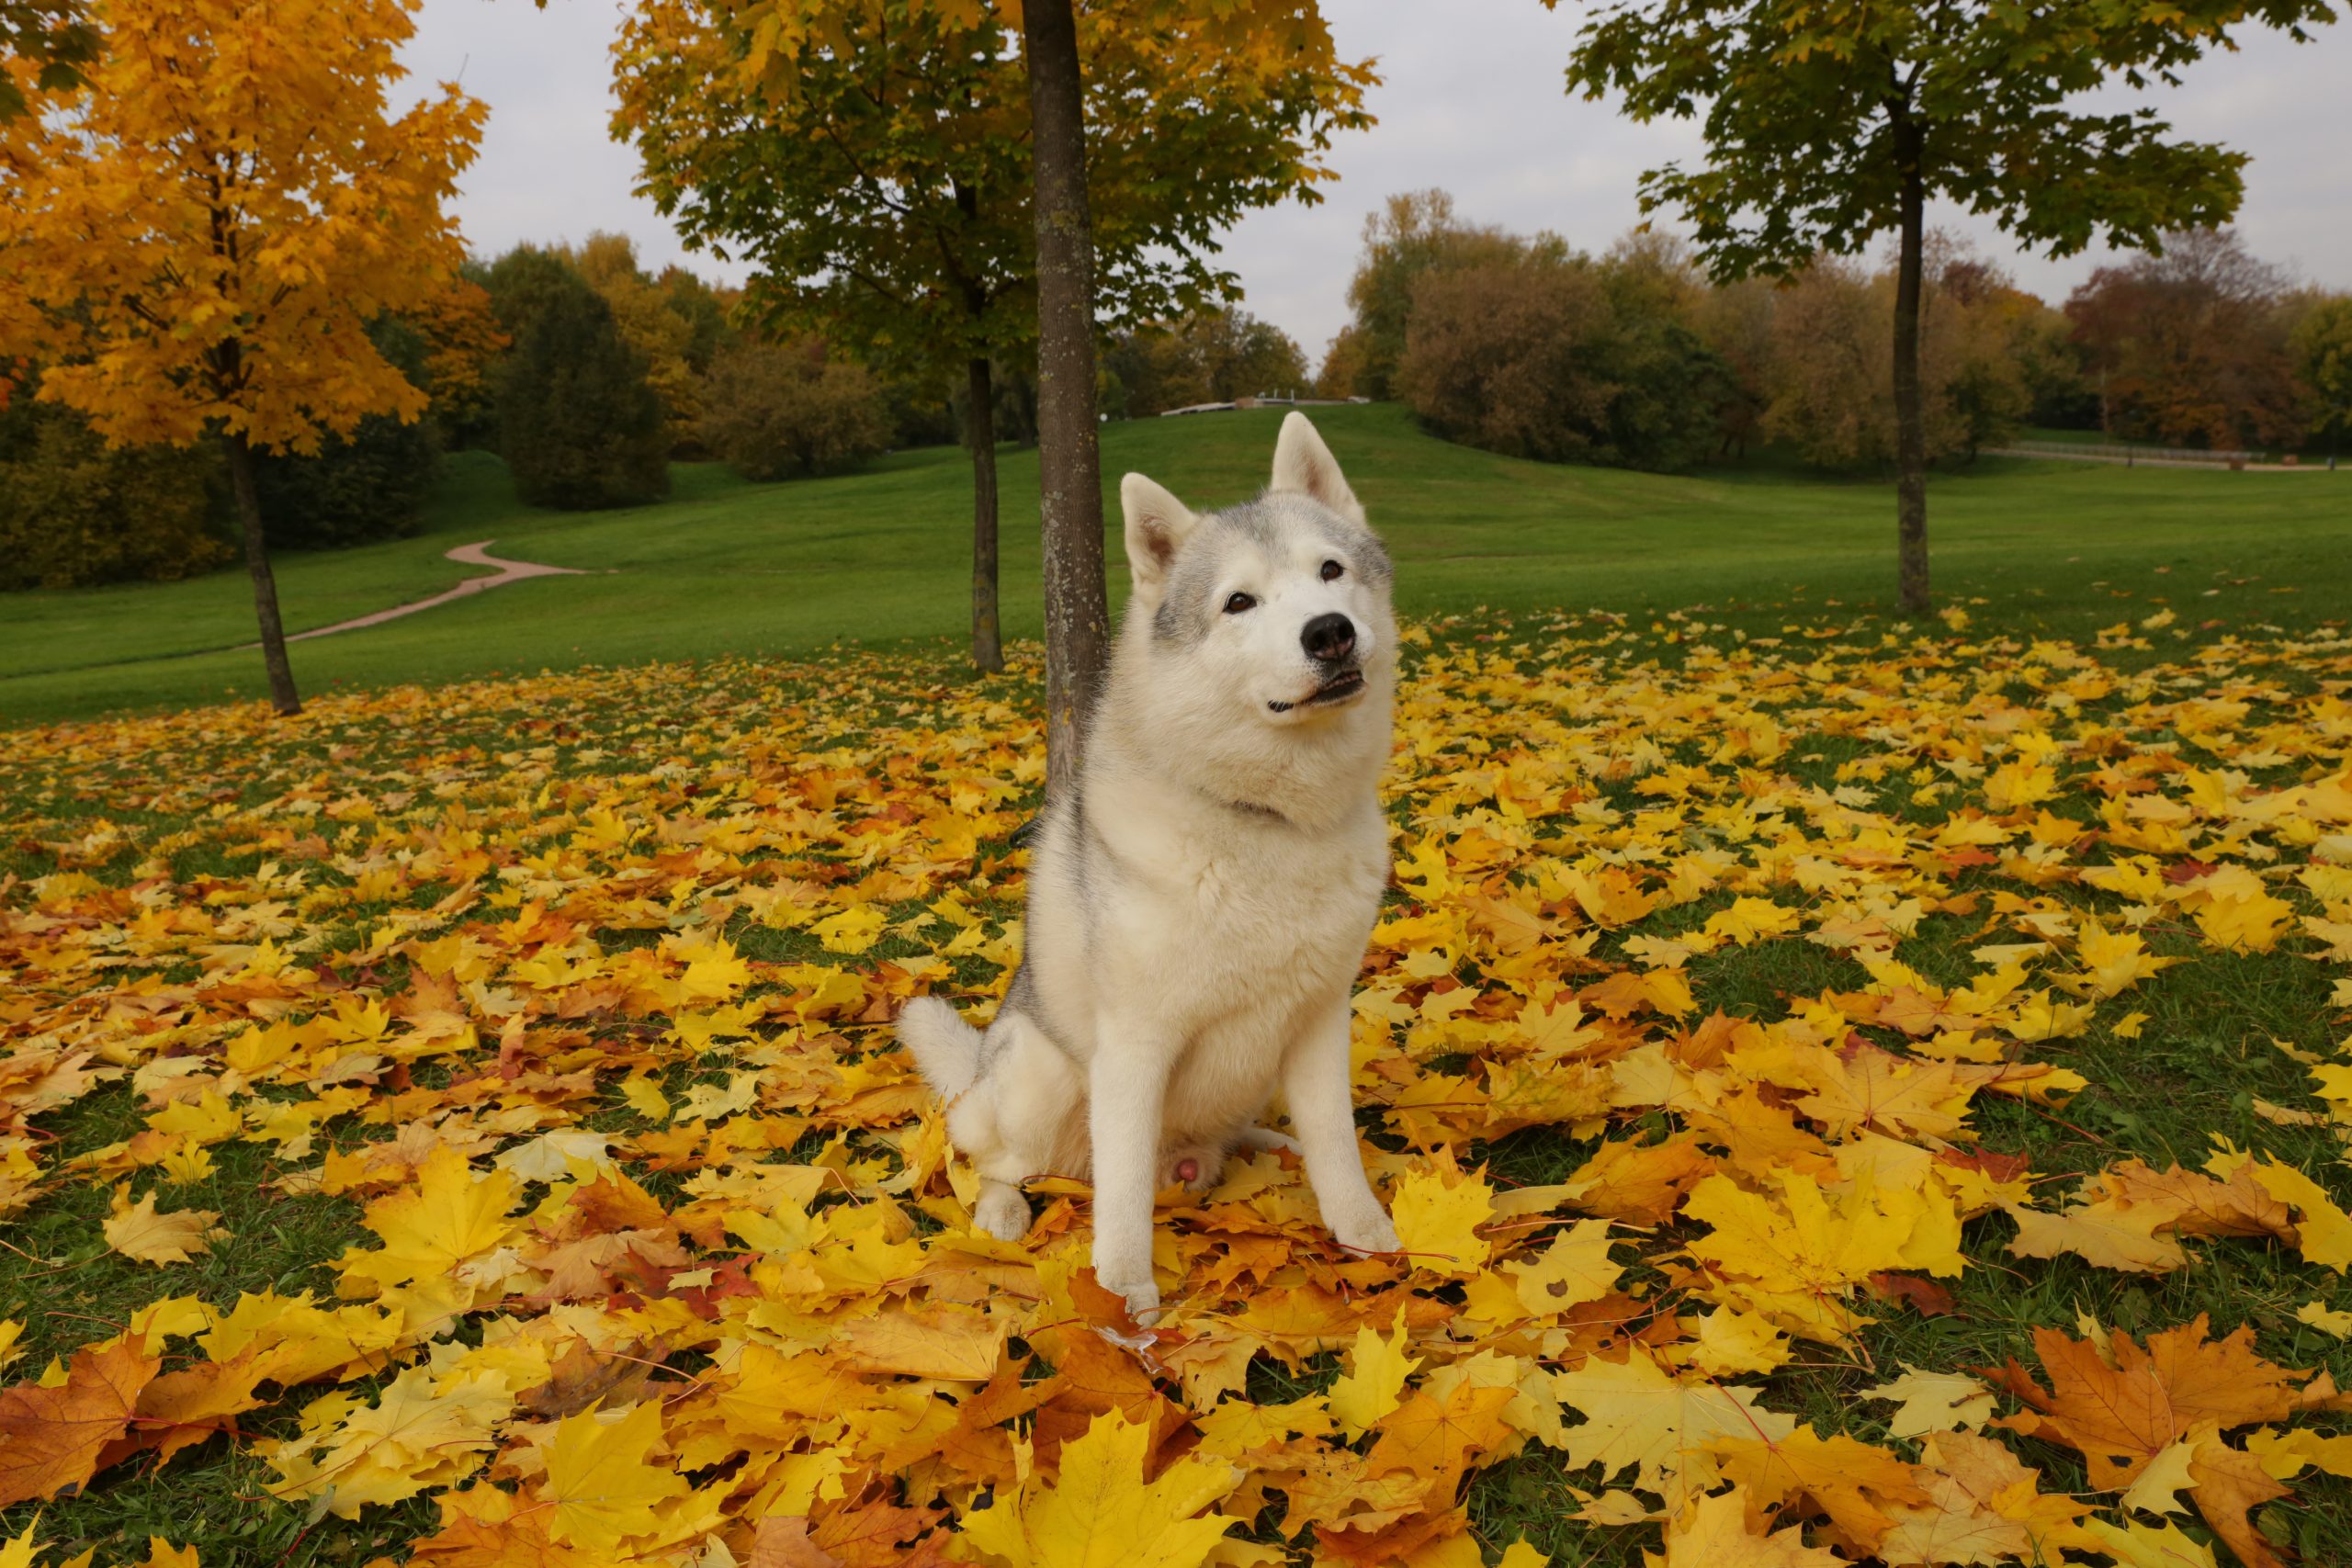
x=588, y=376
x=1528, y=347
x=585, y=373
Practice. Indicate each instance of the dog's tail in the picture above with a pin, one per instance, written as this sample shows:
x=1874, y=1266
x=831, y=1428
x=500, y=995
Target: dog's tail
x=945, y=1047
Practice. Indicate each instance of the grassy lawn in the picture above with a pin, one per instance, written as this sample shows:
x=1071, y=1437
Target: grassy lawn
x=874, y=558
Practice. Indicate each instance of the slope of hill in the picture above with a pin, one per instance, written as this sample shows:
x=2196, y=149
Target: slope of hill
x=729, y=567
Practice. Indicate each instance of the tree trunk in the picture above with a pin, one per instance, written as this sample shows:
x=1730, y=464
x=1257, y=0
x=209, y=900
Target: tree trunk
x=980, y=435
x=1070, y=467
x=1910, y=439
x=282, y=695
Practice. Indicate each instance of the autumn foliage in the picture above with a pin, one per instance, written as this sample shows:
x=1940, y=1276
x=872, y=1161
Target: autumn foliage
x=232, y=181
x=570, y=996
x=199, y=234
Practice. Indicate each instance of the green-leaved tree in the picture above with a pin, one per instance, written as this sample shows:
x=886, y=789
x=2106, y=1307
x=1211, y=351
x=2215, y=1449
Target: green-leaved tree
x=875, y=160
x=1827, y=126
x=577, y=423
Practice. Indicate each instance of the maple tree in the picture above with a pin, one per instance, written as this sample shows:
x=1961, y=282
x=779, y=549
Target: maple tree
x=206, y=257
x=878, y=162
x=569, y=998
x=1825, y=129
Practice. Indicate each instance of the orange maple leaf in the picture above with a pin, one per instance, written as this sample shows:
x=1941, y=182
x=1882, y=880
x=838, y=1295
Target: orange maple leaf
x=2120, y=1413
x=51, y=1437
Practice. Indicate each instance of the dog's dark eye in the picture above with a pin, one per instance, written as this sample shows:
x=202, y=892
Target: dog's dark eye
x=1239, y=603
x=1332, y=571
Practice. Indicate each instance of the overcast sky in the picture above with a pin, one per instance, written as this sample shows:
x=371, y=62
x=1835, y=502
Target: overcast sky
x=1473, y=100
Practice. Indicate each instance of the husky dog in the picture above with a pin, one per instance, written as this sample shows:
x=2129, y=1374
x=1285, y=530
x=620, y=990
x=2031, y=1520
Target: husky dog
x=1200, y=896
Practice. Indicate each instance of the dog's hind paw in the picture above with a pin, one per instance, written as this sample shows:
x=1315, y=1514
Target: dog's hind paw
x=1196, y=1170
x=1001, y=1211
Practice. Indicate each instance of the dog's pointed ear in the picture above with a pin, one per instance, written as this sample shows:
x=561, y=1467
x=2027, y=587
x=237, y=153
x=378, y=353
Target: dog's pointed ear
x=1157, y=525
x=1302, y=463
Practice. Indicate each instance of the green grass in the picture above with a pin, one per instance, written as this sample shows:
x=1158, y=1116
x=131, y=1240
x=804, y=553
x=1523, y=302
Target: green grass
x=881, y=556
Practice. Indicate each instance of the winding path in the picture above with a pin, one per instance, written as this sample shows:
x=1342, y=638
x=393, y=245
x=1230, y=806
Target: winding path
x=475, y=554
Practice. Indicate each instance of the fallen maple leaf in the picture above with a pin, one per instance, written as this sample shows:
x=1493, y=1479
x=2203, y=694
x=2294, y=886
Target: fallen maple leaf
x=138, y=1232
x=1100, y=1512
x=1712, y=1532
x=1369, y=1389
x=600, y=1479
x=1637, y=1417
x=2121, y=1411
x=2229, y=1486
x=51, y=1437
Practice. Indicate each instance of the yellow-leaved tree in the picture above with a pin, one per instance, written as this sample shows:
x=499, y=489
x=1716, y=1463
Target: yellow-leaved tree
x=202, y=230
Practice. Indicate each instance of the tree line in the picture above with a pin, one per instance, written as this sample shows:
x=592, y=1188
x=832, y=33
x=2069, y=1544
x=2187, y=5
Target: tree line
x=1635, y=357
x=588, y=375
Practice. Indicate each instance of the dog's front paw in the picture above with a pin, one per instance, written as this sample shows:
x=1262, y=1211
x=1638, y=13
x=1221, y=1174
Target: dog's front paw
x=1368, y=1232
x=1142, y=1297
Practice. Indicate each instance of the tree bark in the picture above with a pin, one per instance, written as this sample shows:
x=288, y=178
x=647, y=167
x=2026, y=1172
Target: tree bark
x=980, y=435
x=1910, y=439
x=282, y=695
x=1078, y=608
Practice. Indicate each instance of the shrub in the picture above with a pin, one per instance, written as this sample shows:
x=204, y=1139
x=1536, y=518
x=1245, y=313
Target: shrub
x=1531, y=359
x=1830, y=381
x=578, y=426
x=776, y=409
x=73, y=513
x=1211, y=355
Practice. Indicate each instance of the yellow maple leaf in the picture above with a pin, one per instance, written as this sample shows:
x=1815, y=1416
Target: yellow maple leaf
x=2326, y=1319
x=1376, y=1371
x=851, y=931
x=1934, y=1402
x=2136, y=1545
x=1712, y=1533
x=1100, y=1512
x=599, y=1480
x=1436, y=1220
x=1638, y=1416
x=1794, y=1260
x=1574, y=1269
x=138, y=1232
x=449, y=1217
x=1749, y=921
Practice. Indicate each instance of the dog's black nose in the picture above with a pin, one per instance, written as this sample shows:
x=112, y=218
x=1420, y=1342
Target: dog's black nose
x=1328, y=637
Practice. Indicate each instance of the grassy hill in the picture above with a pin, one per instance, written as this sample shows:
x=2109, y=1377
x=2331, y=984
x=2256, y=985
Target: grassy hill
x=729, y=567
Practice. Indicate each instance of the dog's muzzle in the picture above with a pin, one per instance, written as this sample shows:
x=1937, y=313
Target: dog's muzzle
x=1339, y=688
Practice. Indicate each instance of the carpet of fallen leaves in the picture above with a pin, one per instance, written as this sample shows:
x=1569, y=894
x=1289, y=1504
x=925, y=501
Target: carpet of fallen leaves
x=576, y=991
